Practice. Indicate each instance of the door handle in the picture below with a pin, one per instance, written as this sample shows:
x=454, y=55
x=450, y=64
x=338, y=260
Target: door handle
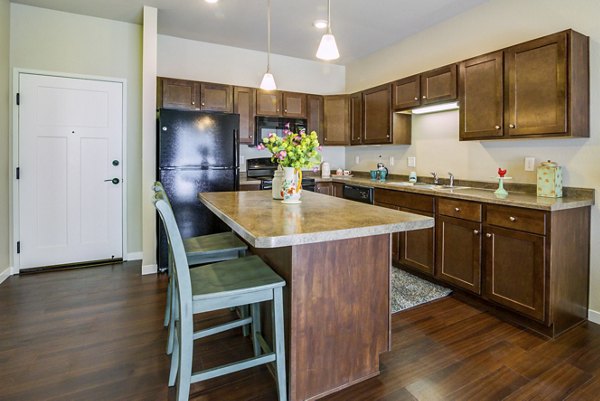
x=113, y=180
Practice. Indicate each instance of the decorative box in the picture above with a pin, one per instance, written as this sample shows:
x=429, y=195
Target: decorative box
x=549, y=180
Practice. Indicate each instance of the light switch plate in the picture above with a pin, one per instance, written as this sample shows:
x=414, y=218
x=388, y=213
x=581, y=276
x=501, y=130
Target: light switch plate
x=412, y=161
x=529, y=163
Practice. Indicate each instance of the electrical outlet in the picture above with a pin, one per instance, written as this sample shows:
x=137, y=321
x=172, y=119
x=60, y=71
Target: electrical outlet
x=391, y=160
x=412, y=161
x=529, y=163
x=356, y=159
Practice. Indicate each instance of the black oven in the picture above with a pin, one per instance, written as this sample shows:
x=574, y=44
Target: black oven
x=276, y=125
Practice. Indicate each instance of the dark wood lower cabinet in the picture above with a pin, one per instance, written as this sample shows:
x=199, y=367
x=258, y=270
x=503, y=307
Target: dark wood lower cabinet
x=515, y=271
x=338, y=189
x=325, y=188
x=416, y=248
x=459, y=253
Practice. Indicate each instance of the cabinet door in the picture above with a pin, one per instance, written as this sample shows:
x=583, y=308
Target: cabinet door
x=216, y=97
x=268, y=103
x=407, y=93
x=243, y=104
x=536, y=75
x=338, y=189
x=459, y=252
x=337, y=122
x=377, y=115
x=356, y=120
x=416, y=248
x=515, y=271
x=314, y=115
x=438, y=85
x=294, y=105
x=179, y=94
x=395, y=236
x=325, y=188
x=480, y=87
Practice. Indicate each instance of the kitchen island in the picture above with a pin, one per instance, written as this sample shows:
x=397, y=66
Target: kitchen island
x=335, y=257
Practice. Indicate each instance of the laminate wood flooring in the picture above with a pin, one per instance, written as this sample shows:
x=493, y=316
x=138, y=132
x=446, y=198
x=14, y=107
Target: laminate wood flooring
x=97, y=334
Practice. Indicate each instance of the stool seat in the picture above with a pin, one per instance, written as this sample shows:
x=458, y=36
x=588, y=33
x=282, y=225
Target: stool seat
x=213, y=248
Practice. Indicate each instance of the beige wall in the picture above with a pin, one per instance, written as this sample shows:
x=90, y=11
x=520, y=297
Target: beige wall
x=54, y=41
x=493, y=25
x=4, y=148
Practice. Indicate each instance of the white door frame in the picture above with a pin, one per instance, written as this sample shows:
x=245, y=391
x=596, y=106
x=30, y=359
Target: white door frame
x=14, y=163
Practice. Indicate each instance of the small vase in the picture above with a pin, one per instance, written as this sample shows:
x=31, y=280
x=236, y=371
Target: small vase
x=291, y=190
x=277, y=184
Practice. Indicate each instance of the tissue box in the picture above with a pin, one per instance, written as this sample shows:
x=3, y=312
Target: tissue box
x=549, y=180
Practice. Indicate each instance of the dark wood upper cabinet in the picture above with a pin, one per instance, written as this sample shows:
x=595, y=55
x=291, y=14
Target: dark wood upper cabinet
x=356, y=118
x=481, y=97
x=243, y=104
x=544, y=90
x=294, y=105
x=377, y=115
x=337, y=120
x=314, y=115
x=438, y=85
x=216, y=97
x=268, y=103
x=407, y=93
x=178, y=94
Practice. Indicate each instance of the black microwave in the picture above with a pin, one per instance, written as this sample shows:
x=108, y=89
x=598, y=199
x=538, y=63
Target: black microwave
x=267, y=125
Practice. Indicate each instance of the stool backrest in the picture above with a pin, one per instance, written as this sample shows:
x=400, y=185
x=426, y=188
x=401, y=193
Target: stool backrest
x=177, y=251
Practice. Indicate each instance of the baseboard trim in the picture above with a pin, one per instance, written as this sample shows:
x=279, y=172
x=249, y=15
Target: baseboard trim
x=5, y=274
x=135, y=256
x=149, y=269
x=594, y=316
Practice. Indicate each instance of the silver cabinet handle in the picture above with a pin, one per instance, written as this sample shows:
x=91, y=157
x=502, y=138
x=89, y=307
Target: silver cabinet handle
x=511, y=125
x=511, y=218
x=497, y=127
x=476, y=232
x=416, y=98
x=457, y=209
x=488, y=235
x=388, y=135
x=202, y=103
x=424, y=97
x=193, y=103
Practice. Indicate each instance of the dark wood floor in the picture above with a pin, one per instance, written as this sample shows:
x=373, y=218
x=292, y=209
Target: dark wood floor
x=96, y=334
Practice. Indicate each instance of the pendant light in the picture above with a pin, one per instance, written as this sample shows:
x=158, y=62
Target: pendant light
x=268, y=82
x=328, y=49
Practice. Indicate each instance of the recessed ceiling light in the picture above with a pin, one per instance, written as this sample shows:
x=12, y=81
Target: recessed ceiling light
x=320, y=24
x=211, y=1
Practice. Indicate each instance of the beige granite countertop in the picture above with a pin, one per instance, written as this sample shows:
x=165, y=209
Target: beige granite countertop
x=576, y=198
x=268, y=223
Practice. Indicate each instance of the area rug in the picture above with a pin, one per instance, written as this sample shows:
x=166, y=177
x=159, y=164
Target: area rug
x=409, y=290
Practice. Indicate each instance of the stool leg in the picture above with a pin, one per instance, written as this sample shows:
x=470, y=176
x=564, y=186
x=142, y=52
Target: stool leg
x=169, y=292
x=279, y=346
x=174, y=317
x=186, y=351
x=255, y=311
x=244, y=314
x=174, y=363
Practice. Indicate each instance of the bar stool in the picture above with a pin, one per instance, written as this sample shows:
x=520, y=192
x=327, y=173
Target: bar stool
x=236, y=282
x=201, y=250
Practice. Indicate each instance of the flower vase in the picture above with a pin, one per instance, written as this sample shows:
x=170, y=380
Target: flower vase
x=291, y=190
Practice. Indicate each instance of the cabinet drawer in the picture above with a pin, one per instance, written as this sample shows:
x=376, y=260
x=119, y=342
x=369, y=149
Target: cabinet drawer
x=459, y=209
x=423, y=203
x=533, y=221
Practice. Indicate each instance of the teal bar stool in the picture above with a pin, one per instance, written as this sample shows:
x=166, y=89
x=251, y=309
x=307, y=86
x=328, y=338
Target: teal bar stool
x=228, y=284
x=201, y=250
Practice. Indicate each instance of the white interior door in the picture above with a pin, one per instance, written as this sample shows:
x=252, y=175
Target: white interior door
x=70, y=144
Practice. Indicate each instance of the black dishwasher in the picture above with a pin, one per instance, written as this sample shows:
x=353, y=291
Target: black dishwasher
x=358, y=193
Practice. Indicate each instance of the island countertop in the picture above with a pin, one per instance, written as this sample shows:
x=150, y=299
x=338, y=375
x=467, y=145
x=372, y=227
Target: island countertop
x=268, y=223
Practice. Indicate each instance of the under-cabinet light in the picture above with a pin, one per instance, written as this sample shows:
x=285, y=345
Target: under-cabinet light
x=435, y=108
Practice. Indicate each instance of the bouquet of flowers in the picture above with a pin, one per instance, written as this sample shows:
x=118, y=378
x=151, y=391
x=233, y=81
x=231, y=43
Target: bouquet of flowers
x=298, y=150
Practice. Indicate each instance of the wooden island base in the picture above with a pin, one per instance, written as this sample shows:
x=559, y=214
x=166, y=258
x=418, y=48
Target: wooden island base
x=337, y=311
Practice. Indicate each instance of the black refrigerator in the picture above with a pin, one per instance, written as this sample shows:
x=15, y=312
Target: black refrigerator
x=197, y=152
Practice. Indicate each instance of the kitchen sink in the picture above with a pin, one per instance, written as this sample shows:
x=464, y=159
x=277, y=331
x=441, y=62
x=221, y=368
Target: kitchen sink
x=433, y=187
x=447, y=187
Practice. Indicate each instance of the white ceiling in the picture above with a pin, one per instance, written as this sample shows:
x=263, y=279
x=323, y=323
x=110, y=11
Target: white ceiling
x=360, y=26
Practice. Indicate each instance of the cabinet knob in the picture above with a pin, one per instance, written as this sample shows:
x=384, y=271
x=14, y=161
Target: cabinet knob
x=202, y=103
x=457, y=209
x=511, y=218
x=424, y=97
x=497, y=127
x=388, y=135
x=285, y=110
x=511, y=125
x=488, y=235
x=193, y=103
x=476, y=232
x=416, y=98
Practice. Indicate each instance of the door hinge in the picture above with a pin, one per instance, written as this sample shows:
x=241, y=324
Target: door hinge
x=18, y=246
x=18, y=173
x=18, y=99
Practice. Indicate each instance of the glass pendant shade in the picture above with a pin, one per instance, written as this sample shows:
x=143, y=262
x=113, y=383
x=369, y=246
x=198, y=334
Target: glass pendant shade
x=328, y=48
x=268, y=82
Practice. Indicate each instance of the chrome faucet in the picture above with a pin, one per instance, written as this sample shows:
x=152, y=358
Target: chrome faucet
x=435, y=178
x=451, y=179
